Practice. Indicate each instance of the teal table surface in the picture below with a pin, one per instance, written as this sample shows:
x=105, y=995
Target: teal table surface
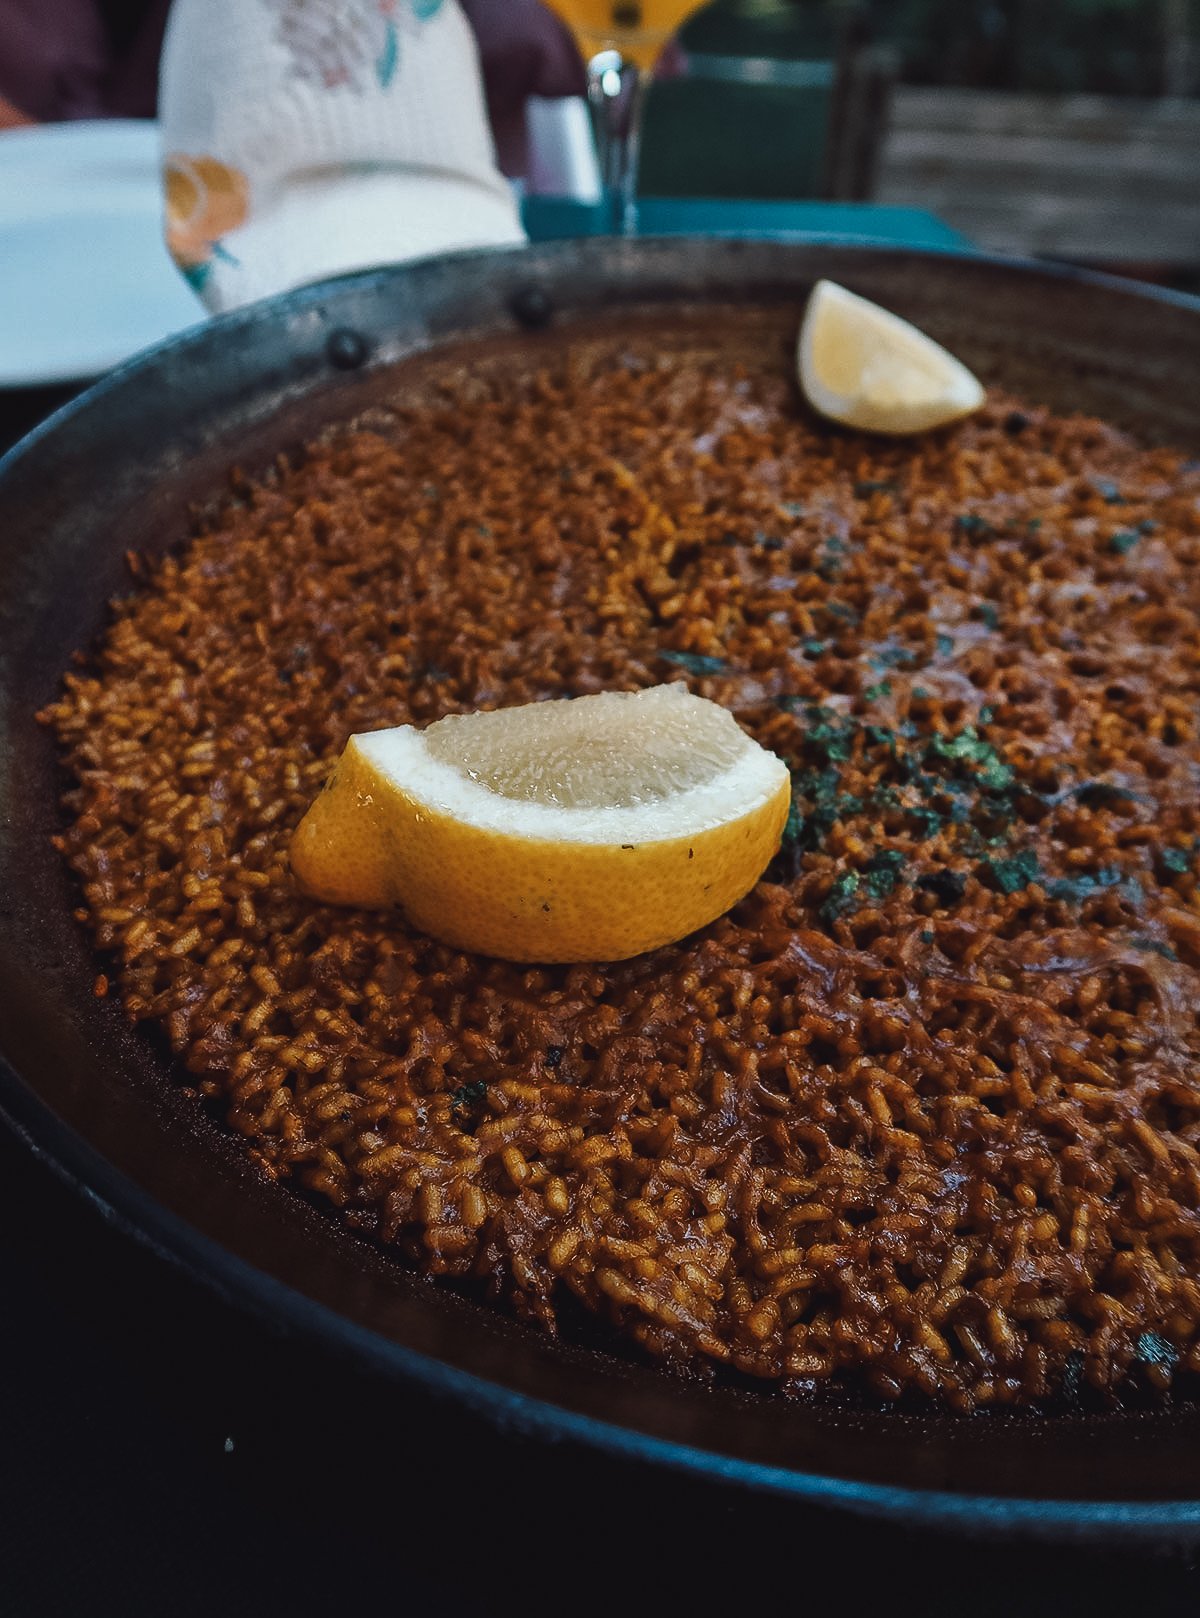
x=551, y=218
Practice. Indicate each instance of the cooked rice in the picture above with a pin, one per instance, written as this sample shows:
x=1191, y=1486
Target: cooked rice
x=923, y=1110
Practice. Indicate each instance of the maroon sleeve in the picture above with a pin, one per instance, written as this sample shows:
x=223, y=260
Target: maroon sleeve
x=53, y=58
x=526, y=51
x=132, y=89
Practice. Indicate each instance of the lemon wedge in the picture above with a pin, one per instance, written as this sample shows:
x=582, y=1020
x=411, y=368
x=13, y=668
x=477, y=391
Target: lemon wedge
x=867, y=368
x=585, y=830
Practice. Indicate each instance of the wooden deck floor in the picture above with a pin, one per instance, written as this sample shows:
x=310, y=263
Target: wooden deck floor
x=1079, y=177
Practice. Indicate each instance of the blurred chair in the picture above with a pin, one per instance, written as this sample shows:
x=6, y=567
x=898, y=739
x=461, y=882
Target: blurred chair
x=777, y=102
x=859, y=113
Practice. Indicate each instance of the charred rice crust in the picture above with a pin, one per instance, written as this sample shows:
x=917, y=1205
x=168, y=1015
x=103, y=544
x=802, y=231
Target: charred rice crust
x=923, y=1111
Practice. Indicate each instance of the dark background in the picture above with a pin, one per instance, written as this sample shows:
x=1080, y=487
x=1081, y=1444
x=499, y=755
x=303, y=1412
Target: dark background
x=163, y=1455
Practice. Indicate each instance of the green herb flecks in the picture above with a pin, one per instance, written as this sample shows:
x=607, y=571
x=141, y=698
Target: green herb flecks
x=695, y=662
x=953, y=784
x=831, y=558
x=1011, y=875
x=827, y=803
x=793, y=829
x=829, y=736
x=967, y=746
x=969, y=765
x=1175, y=861
x=973, y=526
x=841, y=897
x=892, y=657
x=1123, y=540
x=1075, y=889
x=882, y=872
x=996, y=778
x=926, y=822
x=1153, y=1349
x=793, y=842
x=467, y=1098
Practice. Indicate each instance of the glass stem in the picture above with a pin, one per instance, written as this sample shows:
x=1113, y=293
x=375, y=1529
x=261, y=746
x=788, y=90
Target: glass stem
x=616, y=95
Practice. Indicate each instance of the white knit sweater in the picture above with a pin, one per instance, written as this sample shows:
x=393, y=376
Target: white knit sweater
x=303, y=138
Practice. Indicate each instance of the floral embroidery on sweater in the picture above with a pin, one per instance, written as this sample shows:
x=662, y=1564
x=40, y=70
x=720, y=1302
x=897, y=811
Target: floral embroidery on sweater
x=204, y=199
x=347, y=44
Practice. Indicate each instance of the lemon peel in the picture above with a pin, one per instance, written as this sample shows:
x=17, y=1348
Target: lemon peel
x=585, y=830
x=864, y=367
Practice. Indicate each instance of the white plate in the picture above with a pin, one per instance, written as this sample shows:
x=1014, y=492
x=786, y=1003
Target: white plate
x=85, y=280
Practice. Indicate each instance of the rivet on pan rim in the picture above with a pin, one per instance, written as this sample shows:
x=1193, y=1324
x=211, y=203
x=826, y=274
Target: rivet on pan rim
x=346, y=349
x=531, y=307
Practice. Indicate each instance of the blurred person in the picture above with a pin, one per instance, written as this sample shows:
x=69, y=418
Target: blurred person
x=525, y=51
x=65, y=59
x=302, y=138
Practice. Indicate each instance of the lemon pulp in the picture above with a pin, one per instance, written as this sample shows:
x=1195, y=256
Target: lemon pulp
x=591, y=829
x=865, y=367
